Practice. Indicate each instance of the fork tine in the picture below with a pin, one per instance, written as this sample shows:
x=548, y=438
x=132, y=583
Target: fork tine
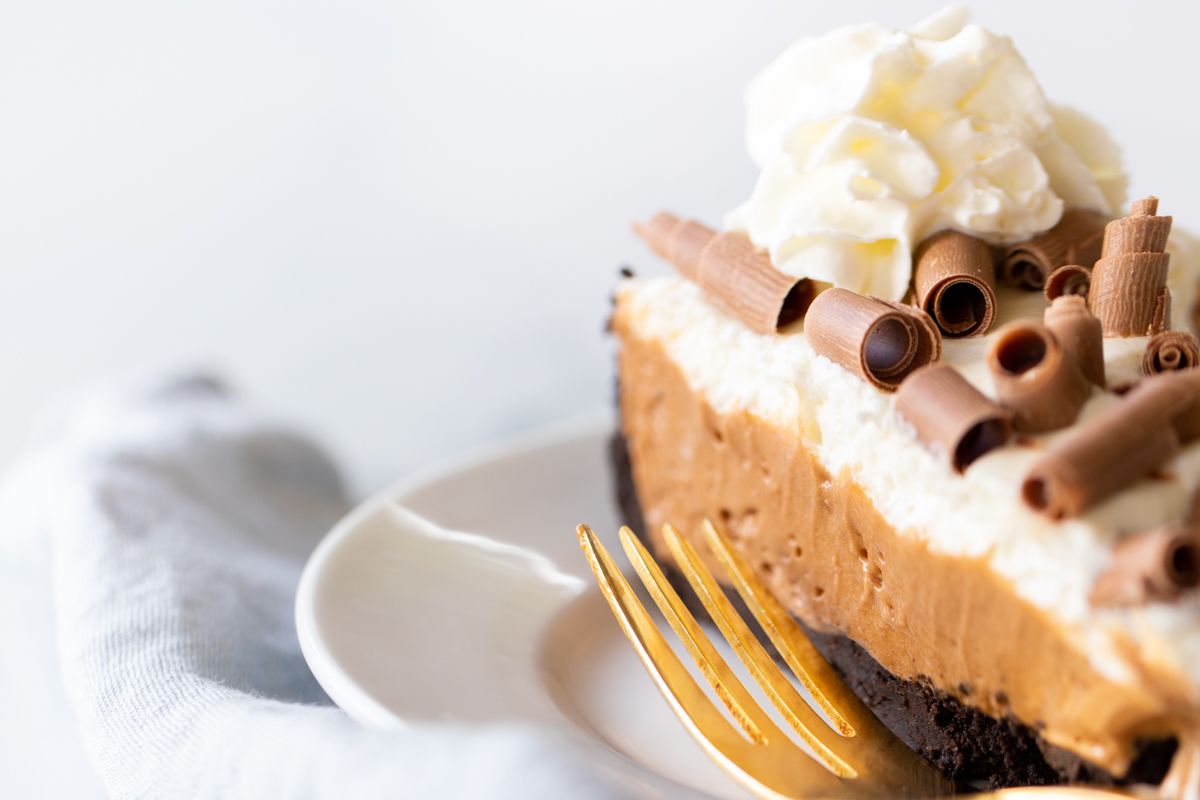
x=728, y=687
x=813, y=730
x=689, y=702
x=875, y=752
x=770, y=765
x=815, y=673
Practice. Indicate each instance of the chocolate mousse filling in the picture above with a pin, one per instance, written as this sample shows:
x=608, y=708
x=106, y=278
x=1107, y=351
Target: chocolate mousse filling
x=972, y=748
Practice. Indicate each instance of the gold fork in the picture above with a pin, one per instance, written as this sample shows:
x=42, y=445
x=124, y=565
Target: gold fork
x=852, y=753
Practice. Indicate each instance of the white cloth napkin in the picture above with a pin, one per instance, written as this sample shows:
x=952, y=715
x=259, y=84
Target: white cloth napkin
x=178, y=523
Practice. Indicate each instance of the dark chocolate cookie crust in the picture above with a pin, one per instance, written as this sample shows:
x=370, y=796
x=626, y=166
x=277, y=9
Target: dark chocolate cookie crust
x=966, y=745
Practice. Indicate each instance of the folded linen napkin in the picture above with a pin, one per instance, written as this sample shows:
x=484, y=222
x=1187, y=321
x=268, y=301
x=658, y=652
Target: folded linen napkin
x=178, y=523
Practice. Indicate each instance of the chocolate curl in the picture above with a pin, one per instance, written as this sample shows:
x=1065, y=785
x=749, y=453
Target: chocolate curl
x=1140, y=232
x=1155, y=565
x=929, y=338
x=1076, y=239
x=730, y=270
x=878, y=341
x=951, y=415
x=1177, y=395
x=1118, y=446
x=1129, y=294
x=953, y=275
x=1129, y=283
x=1079, y=334
x=1171, y=350
x=1071, y=279
x=1035, y=378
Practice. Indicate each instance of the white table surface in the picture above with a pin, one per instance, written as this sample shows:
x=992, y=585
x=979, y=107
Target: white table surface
x=398, y=223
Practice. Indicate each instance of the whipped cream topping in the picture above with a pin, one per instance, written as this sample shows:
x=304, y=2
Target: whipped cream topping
x=869, y=139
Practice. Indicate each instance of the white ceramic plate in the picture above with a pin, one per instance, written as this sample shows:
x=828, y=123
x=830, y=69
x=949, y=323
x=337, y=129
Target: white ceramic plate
x=405, y=616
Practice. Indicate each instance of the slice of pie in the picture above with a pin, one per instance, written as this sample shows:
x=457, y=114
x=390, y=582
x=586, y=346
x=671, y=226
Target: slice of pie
x=980, y=501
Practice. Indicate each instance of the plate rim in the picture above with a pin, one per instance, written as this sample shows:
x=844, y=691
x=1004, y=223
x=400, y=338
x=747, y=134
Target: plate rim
x=343, y=691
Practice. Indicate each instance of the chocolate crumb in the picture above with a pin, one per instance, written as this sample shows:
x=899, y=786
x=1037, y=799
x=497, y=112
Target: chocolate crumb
x=627, y=271
x=1001, y=697
x=964, y=688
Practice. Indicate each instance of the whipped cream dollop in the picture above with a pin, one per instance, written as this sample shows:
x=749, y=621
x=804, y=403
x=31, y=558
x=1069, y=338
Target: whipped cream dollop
x=870, y=139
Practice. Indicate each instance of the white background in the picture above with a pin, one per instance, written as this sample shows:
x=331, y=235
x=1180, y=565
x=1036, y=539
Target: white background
x=398, y=222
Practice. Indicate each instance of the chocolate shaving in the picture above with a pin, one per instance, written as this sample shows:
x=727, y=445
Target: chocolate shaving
x=1071, y=279
x=1129, y=283
x=879, y=341
x=1157, y=565
x=1035, y=378
x=954, y=278
x=951, y=415
x=731, y=270
x=1118, y=446
x=1076, y=239
x=1079, y=334
x=1171, y=350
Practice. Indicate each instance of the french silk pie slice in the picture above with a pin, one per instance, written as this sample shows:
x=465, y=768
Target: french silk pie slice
x=939, y=383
